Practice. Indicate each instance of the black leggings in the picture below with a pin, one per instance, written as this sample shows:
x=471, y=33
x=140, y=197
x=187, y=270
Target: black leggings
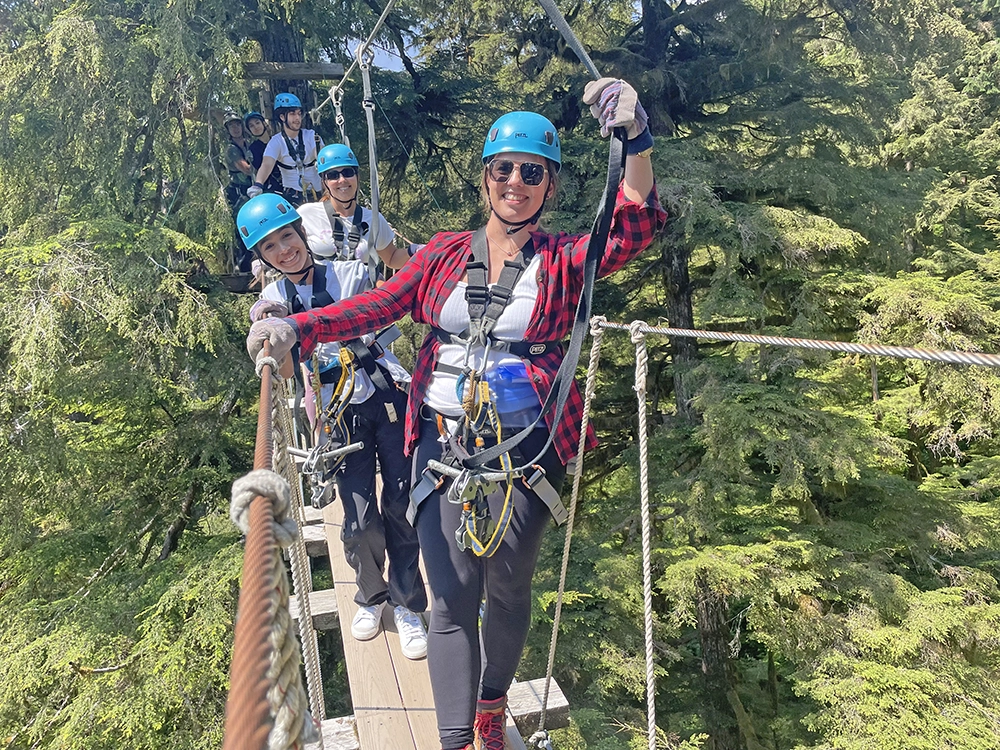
x=464, y=659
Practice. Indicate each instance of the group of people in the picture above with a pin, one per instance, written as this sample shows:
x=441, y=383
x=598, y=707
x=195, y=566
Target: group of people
x=253, y=153
x=498, y=301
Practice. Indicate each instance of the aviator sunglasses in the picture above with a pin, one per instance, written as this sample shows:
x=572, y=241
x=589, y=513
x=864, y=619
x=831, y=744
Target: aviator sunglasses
x=334, y=174
x=532, y=174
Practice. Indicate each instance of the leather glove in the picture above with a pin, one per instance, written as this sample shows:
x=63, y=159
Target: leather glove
x=268, y=308
x=254, y=190
x=282, y=334
x=615, y=104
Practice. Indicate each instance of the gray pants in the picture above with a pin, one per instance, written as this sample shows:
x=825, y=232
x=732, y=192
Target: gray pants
x=463, y=657
x=369, y=533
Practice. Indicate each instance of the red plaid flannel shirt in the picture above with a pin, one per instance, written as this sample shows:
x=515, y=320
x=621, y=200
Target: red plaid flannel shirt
x=421, y=287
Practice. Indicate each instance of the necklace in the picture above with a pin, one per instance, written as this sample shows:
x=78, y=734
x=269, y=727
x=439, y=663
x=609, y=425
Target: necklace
x=502, y=246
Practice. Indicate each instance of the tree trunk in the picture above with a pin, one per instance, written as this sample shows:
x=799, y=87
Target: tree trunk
x=176, y=528
x=680, y=313
x=281, y=42
x=723, y=703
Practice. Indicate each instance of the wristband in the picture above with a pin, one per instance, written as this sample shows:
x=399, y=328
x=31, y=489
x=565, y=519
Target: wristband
x=258, y=184
x=641, y=142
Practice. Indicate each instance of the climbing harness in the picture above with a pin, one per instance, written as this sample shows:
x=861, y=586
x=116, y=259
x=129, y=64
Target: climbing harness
x=365, y=354
x=297, y=152
x=347, y=242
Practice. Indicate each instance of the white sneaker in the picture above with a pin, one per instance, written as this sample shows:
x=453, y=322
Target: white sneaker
x=412, y=635
x=367, y=622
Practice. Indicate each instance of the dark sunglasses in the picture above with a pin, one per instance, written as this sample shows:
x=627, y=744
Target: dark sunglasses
x=500, y=170
x=335, y=174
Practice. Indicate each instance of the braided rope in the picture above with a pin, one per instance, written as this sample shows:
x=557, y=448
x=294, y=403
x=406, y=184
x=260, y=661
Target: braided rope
x=850, y=347
x=283, y=432
x=588, y=394
x=287, y=700
x=641, y=362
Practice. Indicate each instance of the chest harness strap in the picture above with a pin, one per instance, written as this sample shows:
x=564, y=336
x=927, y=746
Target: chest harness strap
x=298, y=155
x=363, y=355
x=354, y=234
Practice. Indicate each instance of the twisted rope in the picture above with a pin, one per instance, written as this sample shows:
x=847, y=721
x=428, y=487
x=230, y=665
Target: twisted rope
x=850, y=347
x=283, y=431
x=539, y=738
x=641, y=362
x=287, y=700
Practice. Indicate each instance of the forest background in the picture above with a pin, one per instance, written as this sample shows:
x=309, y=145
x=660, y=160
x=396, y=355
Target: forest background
x=825, y=527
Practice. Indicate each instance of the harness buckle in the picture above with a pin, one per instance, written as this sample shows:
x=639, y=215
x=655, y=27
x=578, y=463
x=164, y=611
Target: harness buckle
x=537, y=475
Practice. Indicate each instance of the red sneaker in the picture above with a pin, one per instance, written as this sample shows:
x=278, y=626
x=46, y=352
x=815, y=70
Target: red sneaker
x=490, y=725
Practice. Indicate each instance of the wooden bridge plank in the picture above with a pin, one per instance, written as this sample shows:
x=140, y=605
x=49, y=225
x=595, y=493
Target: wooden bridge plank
x=378, y=706
x=322, y=604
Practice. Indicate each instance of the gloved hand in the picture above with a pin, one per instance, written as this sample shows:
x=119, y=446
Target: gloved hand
x=264, y=308
x=254, y=190
x=281, y=333
x=615, y=104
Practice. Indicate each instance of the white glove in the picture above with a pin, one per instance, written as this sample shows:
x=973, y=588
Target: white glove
x=268, y=308
x=254, y=190
x=615, y=104
x=281, y=333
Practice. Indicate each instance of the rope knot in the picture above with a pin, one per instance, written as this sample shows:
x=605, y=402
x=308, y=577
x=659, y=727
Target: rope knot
x=597, y=323
x=271, y=362
x=636, y=331
x=264, y=483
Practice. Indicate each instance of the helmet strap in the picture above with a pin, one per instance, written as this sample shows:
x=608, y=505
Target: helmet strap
x=345, y=204
x=514, y=226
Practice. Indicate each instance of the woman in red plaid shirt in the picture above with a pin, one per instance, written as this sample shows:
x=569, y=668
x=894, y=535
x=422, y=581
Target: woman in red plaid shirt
x=490, y=387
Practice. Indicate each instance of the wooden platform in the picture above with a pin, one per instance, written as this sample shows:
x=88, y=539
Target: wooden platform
x=391, y=695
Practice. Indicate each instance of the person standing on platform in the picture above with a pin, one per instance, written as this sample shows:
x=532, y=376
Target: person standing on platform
x=294, y=150
x=338, y=226
x=239, y=163
x=272, y=228
x=255, y=124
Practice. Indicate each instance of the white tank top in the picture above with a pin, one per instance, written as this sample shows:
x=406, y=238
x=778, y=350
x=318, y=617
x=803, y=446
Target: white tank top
x=511, y=326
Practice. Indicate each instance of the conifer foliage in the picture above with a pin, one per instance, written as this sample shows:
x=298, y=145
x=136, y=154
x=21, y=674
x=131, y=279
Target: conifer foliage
x=825, y=527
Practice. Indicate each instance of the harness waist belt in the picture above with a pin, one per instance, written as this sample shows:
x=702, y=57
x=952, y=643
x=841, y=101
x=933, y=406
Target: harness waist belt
x=523, y=349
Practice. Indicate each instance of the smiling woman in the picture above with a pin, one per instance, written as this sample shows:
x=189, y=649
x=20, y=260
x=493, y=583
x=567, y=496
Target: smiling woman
x=498, y=300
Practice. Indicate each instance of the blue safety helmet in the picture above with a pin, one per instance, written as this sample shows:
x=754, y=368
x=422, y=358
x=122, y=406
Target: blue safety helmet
x=262, y=215
x=335, y=155
x=250, y=115
x=287, y=101
x=526, y=132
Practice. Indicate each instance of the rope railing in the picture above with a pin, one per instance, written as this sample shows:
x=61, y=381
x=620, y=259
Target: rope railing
x=267, y=707
x=248, y=716
x=848, y=347
x=638, y=330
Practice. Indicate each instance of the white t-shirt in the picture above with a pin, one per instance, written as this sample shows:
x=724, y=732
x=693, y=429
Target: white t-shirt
x=511, y=326
x=277, y=149
x=319, y=232
x=343, y=279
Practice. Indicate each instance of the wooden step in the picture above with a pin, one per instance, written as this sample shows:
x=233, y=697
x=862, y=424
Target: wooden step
x=313, y=515
x=338, y=734
x=524, y=702
x=315, y=538
x=322, y=604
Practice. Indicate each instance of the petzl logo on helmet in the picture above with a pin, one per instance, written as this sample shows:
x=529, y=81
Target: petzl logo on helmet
x=520, y=135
